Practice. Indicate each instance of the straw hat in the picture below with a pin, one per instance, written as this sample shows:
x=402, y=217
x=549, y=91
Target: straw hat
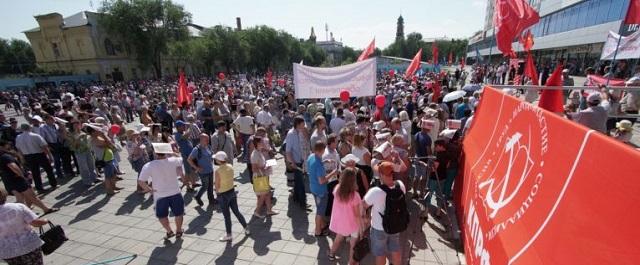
x=348, y=158
x=624, y=125
x=162, y=148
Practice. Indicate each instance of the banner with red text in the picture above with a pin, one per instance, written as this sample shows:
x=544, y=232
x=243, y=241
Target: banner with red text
x=594, y=80
x=319, y=82
x=629, y=47
x=540, y=189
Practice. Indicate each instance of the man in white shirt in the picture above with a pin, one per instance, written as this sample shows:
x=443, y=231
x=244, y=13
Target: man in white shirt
x=338, y=122
x=383, y=245
x=164, y=172
x=36, y=155
x=245, y=126
x=264, y=118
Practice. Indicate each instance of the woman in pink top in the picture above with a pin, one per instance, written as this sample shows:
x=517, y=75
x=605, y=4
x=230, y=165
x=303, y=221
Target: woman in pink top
x=345, y=213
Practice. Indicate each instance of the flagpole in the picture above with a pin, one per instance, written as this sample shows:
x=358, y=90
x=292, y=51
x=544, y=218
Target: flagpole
x=613, y=62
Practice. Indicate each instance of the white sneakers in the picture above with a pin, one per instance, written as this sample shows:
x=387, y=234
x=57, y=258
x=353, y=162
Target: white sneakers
x=229, y=238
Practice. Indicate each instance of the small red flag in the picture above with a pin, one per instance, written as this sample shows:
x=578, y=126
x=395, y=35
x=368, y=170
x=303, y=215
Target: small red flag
x=527, y=41
x=633, y=14
x=269, y=78
x=530, y=70
x=436, y=91
x=368, y=51
x=551, y=99
x=181, y=90
x=511, y=17
x=415, y=64
x=434, y=51
x=450, y=62
x=462, y=63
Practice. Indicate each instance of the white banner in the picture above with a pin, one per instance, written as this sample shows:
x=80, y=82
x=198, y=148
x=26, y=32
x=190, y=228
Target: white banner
x=629, y=47
x=316, y=82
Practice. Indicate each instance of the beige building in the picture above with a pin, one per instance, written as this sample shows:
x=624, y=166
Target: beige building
x=77, y=45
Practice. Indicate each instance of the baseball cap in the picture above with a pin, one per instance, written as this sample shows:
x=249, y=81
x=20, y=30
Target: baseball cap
x=220, y=156
x=385, y=168
x=180, y=123
x=594, y=97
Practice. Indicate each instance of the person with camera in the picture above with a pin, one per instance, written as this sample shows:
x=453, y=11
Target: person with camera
x=19, y=244
x=437, y=178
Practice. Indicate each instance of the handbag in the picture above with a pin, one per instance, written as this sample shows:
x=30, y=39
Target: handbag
x=53, y=238
x=100, y=164
x=261, y=184
x=362, y=248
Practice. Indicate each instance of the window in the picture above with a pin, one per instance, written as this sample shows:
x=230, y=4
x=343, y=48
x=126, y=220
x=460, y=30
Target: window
x=603, y=11
x=56, y=50
x=108, y=46
x=592, y=14
x=615, y=12
x=564, y=20
x=573, y=18
x=583, y=11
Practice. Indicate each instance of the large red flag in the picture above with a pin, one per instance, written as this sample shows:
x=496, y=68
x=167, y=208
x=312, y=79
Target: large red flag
x=415, y=64
x=181, y=90
x=551, y=99
x=368, y=51
x=434, y=51
x=633, y=14
x=530, y=70
x=511, y=17
x=269, y=78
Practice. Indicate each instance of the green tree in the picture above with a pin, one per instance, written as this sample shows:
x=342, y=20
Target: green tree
x=149, y=25
x=16, y=57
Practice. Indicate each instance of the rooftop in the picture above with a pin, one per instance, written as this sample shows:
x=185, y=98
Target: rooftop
x=75, y=20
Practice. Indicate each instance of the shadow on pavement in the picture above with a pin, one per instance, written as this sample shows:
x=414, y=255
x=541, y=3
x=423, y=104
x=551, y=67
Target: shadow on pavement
x=167, y=253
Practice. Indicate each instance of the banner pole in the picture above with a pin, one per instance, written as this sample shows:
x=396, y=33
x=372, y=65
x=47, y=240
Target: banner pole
x=615, y=54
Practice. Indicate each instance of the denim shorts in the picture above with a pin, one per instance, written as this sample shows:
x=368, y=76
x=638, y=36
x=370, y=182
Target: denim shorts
x=174, y=202
x=383, y=244
x=321, y=204
x=110, y=169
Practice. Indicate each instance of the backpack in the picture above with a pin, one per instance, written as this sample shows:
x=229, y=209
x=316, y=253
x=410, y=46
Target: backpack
x=396, y=214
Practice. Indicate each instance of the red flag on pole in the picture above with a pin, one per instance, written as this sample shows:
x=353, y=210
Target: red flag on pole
x=462, y=62
x=633, y=14
x=527, y=41
x=436, y=91
x=434, y=51
x=450, y=62
x=530, y=70
x=181, y=95
x=551, y=99
x=368, y=51
x=511, y=17
x=269, y=78
x=415, y=64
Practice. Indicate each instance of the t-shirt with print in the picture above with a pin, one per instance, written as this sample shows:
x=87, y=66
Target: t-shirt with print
x=376, y=197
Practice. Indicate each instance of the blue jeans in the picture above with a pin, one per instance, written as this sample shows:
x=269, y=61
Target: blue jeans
x=245, y=147
x=87, y=168
x=435, y=187
x=229, y=201
x=207, y=185
x=298, y=186
x=383, y=244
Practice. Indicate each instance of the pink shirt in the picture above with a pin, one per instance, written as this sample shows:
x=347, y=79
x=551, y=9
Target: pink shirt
x=343, y=218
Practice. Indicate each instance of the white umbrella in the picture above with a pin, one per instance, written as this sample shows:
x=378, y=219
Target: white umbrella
x=400, y=83
x=471, y=87
x=454, y=95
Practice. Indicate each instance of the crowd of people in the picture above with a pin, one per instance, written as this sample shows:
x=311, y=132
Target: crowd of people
x=362, y=159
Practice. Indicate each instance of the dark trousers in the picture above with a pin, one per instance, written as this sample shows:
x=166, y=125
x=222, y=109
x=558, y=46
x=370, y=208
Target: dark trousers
x=34, y=163
x=61, y=159
x=299, y=195
x=229, y=202
x=128, y=114
x=207, y=185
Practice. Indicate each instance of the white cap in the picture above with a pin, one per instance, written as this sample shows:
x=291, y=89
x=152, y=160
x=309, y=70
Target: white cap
x=37, y=118
x=350, y=157
x=594, y=97
x=220, y=156
x=162, y=148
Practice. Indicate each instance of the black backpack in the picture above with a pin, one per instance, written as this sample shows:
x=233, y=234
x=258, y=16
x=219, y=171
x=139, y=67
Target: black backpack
x=396, y=214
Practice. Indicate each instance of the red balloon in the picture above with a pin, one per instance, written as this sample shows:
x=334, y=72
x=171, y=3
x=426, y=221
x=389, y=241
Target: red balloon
x=345, y=95
x=392, y=73
x=380, y=100
x=221, y=75
x=115, y=129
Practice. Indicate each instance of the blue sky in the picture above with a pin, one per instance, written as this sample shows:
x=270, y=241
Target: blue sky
x=356, y=22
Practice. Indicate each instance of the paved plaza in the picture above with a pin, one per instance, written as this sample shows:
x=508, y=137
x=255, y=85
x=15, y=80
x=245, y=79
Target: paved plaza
x=103, y=229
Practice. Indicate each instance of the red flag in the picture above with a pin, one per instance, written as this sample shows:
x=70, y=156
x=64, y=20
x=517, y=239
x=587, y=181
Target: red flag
x=181, y=90
x=269, y=78
x=633, y=14
x=436, y=91
x=551, y=99
x=530, y=70
x=415, y=64
x=434, y=51
x=511, y=17
x=450, y=62
x=462, y=63
x=527, y=41
x=368, y=51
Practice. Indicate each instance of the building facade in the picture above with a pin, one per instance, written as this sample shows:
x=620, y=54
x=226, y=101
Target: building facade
x=77, y=45
x=573, y=30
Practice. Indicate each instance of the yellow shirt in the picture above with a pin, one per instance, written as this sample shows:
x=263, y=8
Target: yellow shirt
x=225, y=173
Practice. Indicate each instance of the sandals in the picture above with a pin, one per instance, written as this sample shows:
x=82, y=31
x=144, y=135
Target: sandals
x=170, y=235
x=51, y=210
x=179, y=234
x=332, y=257
x=322, y=234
